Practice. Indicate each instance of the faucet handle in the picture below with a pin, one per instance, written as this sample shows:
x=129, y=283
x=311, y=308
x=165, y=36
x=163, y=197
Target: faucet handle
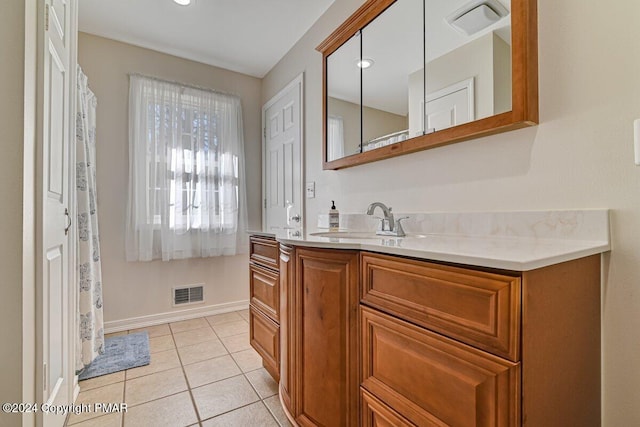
x=398, y=226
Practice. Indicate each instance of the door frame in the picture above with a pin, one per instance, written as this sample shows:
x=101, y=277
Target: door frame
x=298, y=80
x=32, y=309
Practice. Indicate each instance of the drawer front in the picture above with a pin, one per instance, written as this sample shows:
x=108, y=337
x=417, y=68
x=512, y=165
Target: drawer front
x=479, y=308
x=264, y=336
x=264, y=251
x=265, y=291
x=432, y=380
x=377, y=414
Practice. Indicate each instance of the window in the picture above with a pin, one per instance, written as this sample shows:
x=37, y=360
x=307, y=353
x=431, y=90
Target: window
x=335, y=138
x=186, y=189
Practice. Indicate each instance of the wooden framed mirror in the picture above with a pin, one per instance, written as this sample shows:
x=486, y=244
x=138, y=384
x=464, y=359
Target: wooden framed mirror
x=481, y=78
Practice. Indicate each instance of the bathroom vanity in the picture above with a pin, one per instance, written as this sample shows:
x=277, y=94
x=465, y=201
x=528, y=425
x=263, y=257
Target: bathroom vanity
x=439, y=329
x=264, y=305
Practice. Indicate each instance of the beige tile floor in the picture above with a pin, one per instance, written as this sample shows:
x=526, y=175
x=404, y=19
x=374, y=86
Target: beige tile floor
x=203, y=372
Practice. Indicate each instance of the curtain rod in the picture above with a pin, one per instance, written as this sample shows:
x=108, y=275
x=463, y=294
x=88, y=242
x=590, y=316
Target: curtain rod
x=190, y=86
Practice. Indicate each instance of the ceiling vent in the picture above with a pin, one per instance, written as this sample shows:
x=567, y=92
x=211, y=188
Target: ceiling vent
x=476, y=15
x=191, y=294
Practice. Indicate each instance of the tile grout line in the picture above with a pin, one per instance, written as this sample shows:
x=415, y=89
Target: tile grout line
x=190, y=389
x=186, y=378
x=255, y=390
x=243, y=373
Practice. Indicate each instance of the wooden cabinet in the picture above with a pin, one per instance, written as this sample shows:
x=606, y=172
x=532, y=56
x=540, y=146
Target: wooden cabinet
x=377, y=414
x=377, y=340
x=264, y=298
x=320, y=378
x=264, y=251
x=287, y=319
x=461, y=346
x=264, y=336
x=264, y=290
x=479, y=308
x=433, y=380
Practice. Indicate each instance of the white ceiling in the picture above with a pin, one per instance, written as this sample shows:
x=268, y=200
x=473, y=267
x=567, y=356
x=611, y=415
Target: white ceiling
x=247, y=36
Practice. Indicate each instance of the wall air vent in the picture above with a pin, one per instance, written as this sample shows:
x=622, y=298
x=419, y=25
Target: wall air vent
x=192, y=294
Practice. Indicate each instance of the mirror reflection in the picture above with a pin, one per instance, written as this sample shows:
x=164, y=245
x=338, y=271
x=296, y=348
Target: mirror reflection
x=343, y=100
x=465, y=47
x=468, y=62
x=392, y=45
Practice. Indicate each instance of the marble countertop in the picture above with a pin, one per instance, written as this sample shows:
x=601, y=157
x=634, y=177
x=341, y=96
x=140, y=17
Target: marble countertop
x=518, y=241
x=261, y=233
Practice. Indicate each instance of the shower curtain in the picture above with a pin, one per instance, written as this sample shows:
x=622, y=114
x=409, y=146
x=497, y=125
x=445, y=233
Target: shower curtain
x=90, y=342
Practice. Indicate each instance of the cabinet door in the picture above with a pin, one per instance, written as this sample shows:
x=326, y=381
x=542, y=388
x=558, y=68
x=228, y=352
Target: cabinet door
x=263, y=291
x=326, y=322
x=264, y=335
x=435, y=381
x=377, y=414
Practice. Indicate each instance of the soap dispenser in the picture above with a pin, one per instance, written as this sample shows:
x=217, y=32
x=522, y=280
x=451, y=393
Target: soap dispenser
x=334, y=217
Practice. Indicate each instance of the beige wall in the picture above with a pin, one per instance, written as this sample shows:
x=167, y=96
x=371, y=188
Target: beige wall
x=12, y=31
x=580, y=156
x=134, y=289
x=501, y=75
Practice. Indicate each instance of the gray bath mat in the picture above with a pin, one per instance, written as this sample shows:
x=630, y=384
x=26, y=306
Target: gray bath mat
x=120, y=353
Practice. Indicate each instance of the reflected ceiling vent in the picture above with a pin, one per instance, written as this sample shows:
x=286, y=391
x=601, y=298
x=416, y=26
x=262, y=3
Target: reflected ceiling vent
x=476, y=15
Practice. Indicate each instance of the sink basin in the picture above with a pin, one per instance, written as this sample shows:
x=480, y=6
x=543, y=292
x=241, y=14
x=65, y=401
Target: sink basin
x=347, y=234
x=360, y=235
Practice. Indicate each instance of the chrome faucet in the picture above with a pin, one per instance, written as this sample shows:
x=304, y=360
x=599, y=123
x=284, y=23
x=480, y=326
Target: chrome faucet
x=388, y=226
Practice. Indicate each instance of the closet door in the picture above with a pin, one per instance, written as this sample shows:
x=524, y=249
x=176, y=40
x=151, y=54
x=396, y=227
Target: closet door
x=55, y=307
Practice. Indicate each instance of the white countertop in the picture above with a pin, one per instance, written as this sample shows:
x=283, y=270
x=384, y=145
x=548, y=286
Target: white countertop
x=509, y=253
x=518, y=241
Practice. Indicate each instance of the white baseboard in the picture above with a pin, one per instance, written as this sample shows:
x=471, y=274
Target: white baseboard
x=172, y=316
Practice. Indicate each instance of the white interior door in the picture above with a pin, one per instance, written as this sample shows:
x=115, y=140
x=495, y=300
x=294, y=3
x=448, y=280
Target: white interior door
x=282, y=158
x=451, y=106
x=55, y=67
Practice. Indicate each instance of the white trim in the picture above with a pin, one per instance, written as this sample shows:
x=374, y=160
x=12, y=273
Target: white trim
x=28, y=213
x=298, y=80
x=73, y=326
x=173, y=316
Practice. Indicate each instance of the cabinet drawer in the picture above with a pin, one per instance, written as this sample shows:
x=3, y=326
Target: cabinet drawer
x=264, y=336
x=435, y=381
x=264, y=290
x=264, y=251
x=377, y=414
x=476, y=307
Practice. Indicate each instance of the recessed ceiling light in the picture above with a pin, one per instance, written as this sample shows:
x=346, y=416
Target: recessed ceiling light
x=365, y=63
x=183, y=2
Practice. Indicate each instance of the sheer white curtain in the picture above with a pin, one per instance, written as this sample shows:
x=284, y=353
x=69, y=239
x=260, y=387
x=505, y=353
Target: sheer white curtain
x=187, y=193
x=335, y=138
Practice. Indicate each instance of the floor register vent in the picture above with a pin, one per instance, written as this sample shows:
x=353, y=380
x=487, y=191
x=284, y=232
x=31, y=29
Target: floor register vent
x=191, y=294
